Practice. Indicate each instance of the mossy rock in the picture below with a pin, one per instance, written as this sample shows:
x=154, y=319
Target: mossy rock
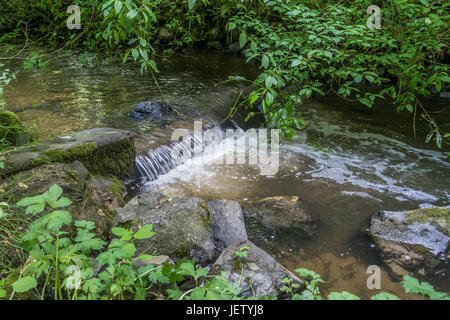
x=438, y=216
x=94, y=197
x=104, y=151
x=12, y=131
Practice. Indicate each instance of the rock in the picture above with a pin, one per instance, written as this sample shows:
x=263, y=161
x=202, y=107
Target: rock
x=282, y=213
x=150, y=109
x=164, y=35
x=182, y=226
x=214, y=45
x=94, y=198
x=104, y=151
x=412, y=240
x=227, y=222
x=12, y=131
x=155, y=261
x=235, y=47
x=259, y=270
x=213, y=34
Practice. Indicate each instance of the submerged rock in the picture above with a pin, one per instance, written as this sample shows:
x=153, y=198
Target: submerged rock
x=227, y=222
x=103, y=151
x=150, y=109
x=259, y=274
x=182, y=226
x=412, y=241
x=94, y=198
x=282, y=213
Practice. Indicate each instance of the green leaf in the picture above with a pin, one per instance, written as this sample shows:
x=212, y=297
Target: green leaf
x=384, y=296
x=56, y=219
x=31, y=200
x=295, y=63
x=24, y=284
x=268, y=82
x=123, y=233
x=344, y=295
x=135, y=54
x=242, y=40
x=118, y=6
x=144, y=232
x=231, y=26
x=131, y=14
x=191, y=4
x=265, y=62
x=63, y=202
x=129, y=249
x=51, y=196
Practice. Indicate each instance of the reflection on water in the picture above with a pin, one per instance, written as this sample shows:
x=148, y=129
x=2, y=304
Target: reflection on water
x=348, y=163
x=68, y=97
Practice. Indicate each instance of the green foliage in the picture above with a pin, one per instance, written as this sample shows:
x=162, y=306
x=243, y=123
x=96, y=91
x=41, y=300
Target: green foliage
x=344, y=295
x=322, y=47
x=312, y=281
x=6, y=76
x=384, y=296
x=423, y=288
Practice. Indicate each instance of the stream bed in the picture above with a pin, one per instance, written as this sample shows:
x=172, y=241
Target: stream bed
x=348, y=163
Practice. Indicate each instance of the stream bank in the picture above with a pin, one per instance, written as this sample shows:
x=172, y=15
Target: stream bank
x=349, y=163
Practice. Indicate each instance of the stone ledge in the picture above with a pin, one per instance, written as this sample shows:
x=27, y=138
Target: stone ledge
x=101, y=150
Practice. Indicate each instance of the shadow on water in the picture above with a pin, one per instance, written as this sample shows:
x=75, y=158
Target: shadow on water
x=350, y=161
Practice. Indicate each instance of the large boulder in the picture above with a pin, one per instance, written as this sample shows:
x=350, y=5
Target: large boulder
x=259, y=274
x=94, y=197
x=150, y=109
x=227, y=222
x=103, y=151
x=282, y=213
x=182, y=226
x=412, y=242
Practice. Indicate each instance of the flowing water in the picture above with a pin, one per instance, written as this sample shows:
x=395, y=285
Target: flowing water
x=348, y=163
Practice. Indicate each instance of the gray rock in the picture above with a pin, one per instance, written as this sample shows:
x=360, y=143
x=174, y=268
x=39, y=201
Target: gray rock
x=235, y=47
x=214, y=45
x=227, y=222
x=155, y=261
x=181, y=225
x=412, y=241
x=282, y=213
x=164, y=34
x=94, y=197
x=102, y=150
x=261, y=274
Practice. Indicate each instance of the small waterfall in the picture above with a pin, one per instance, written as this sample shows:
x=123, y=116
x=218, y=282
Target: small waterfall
x=164, y=158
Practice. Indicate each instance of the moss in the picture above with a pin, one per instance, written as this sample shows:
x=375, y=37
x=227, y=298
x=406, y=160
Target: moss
x=40, y=161
x=436, y=215
x=206, y=220
x=237, y=265
x=184, y=250
x=128, y=224
x=12, y=129
x=57, y=155
x=425, y=214
x=117, y=189
x=83, y=150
